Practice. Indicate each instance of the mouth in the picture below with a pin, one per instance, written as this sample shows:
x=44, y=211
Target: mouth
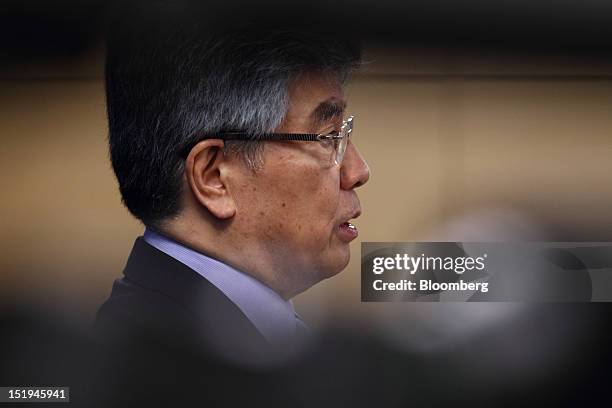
x=347, y=230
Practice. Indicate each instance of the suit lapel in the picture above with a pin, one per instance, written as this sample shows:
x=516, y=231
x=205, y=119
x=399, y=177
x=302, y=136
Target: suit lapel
x=223, y=324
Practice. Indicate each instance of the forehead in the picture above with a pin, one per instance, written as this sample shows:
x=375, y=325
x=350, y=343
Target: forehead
x=312, y=95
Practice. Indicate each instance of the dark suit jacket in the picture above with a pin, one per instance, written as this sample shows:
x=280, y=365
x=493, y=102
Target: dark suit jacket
x=169, y=303
x=171, y=338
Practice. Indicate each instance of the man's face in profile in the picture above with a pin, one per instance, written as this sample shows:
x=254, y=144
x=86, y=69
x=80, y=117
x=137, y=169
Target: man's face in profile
x=299, y=204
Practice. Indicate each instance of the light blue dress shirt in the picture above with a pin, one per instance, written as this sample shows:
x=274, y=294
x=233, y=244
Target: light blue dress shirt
x=273, y=316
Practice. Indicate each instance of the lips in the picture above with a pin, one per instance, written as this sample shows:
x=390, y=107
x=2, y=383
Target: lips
x=347, y=230
x=349, y=225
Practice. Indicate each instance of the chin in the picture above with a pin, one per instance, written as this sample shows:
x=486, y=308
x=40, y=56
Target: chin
x=337, y=264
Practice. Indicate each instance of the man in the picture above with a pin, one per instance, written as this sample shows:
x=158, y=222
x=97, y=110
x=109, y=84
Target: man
x=235, y=151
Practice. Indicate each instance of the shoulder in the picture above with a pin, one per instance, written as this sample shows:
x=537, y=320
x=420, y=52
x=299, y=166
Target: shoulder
x=160, y=299
x=131, y=307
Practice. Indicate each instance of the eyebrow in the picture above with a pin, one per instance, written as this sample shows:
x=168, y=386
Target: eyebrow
x=328, y=110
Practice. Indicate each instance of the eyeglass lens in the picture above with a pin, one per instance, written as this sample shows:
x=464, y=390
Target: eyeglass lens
x=345, y=132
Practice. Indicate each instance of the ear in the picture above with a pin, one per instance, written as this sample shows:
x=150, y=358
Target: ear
x=205, y=169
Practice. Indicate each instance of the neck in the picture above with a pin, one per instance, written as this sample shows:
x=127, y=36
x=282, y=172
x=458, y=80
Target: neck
x=219, y=242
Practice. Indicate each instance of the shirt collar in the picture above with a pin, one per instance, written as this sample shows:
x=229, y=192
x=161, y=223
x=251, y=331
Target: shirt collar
x=273, y=316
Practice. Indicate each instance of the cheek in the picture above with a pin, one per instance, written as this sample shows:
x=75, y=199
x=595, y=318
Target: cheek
x=311, y=204
x=299, y=206
x=293, y=200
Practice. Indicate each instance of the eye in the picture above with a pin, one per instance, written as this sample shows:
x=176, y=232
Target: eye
x=328, y=144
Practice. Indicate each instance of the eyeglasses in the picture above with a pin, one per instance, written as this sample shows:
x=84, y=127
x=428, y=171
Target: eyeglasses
x=339, y=139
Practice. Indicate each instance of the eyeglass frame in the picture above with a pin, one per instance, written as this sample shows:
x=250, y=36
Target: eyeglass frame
x=343, y=136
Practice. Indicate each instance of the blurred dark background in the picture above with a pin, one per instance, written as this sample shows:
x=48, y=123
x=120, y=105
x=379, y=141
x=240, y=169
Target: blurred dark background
x=481, y=121
x=37, y=29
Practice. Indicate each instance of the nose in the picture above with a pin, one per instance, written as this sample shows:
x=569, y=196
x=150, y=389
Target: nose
x=354, y=171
